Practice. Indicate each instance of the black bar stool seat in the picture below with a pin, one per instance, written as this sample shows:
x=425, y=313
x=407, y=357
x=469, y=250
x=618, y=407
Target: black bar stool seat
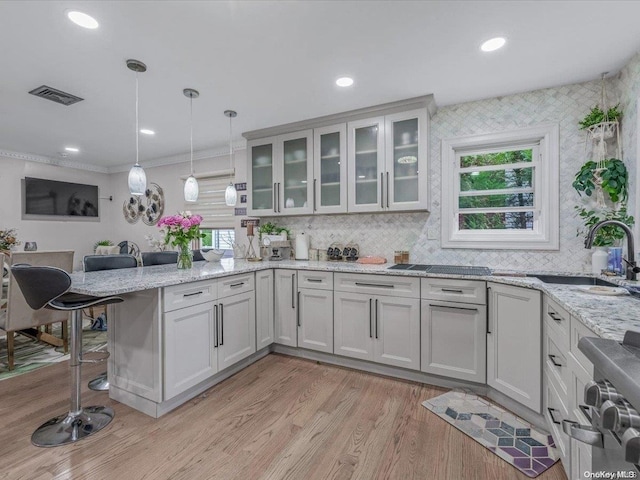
x=48, y=287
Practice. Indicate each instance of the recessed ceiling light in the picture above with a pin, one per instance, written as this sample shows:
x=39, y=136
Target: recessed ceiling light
x=493, y=44
x=146, y=131
x=82, y=19
x=72, y=149
x=344, y=81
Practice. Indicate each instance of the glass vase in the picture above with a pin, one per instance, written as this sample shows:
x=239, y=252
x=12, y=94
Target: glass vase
x=185, y=258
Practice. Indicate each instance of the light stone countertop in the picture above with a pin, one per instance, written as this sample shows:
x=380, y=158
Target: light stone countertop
x=607, y=316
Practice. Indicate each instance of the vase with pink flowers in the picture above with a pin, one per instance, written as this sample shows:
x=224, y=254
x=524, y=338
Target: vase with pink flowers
x=179, y=230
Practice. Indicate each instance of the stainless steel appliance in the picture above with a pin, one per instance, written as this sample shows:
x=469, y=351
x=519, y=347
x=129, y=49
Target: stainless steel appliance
x=443, y=269
x=612, y=402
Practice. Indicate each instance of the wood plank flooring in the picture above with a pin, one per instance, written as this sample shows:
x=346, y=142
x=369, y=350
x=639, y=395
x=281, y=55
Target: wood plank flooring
x=281, y=418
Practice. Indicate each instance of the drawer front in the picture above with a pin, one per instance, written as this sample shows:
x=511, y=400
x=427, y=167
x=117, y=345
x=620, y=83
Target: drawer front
x=236, y=284
x=578, y=330
x=315, y=280
x=579, y=379
x=558, y=319
x=188, y=294
x=377, y=285
x=555, y=410
x=465, y=291
x=555, y=363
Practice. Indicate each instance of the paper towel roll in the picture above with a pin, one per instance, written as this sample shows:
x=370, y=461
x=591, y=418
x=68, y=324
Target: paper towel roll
x=302, y=247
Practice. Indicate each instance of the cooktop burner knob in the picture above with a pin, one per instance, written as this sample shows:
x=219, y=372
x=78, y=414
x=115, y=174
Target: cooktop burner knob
x=619, y=417
x=631, y=445
x=596, y=393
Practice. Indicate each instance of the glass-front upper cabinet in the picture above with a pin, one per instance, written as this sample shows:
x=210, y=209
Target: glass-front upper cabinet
x=366, y=164
x=261, y=176
x=405, y=177
x=330, y=169
x=295, y=179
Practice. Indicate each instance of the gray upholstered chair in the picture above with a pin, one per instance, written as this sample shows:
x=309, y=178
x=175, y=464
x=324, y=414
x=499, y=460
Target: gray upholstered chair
x=16, y=316
x=159, y=258
x=48, y=288
x=94, y=263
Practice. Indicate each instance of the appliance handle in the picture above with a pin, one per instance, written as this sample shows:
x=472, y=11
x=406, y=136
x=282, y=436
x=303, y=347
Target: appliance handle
x=583, y=433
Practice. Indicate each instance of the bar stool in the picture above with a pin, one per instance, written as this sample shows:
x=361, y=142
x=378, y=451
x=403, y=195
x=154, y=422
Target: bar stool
x=94, y=263
x=48, y=287
x=159, y=258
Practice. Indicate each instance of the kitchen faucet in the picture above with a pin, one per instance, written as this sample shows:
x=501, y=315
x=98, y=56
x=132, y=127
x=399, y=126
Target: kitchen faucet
x=631, y=269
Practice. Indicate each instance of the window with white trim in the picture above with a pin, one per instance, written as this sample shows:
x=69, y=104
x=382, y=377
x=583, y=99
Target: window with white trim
x=217, y=217
x=500, y=191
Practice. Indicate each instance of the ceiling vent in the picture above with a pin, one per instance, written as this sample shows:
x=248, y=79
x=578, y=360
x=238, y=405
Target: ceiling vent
x=55, y=95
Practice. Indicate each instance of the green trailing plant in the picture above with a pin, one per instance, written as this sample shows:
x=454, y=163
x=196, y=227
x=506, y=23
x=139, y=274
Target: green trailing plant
x=597, y=115
x=102, y=243
x=273, y=229
x=609, y=235
x=615, y=179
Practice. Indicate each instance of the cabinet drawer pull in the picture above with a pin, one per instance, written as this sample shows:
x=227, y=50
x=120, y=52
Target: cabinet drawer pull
x=553, y=360
x=192, y=294
x=380, y=285
x=554, y=316
x=551, y=410
x=586, y=411
x=314, y=280
x=234, y=285
x=451, y=290
x=454, y=308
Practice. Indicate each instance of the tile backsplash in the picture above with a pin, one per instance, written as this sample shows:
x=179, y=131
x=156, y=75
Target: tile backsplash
x=381, y=234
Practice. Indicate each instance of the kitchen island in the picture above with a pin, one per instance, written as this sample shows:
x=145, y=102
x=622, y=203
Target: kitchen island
x=169, y=340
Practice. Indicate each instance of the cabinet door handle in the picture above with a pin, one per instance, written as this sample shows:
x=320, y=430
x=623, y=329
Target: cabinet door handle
x=381, y=285
x=298, y=311
x=221, y=324
x=314, y=194
x=370, y=319
x=387, y=189
x=215, y=326
x=275, y=199
x=376, y=318
x=381, y=190
x=553, y=360
x=293, y=290
x=234, y=285
x=551, y=410
x=452, y=290
x=454, y=308
x=488, y=309
x=192, y=294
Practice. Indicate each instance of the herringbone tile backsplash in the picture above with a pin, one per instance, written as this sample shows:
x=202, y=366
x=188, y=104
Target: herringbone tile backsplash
x=381, y=234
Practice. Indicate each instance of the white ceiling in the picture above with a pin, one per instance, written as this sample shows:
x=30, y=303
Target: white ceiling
x=276, y=62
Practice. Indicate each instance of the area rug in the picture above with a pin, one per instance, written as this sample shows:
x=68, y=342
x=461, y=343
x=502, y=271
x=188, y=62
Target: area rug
x=31, y=354
x=517, y=442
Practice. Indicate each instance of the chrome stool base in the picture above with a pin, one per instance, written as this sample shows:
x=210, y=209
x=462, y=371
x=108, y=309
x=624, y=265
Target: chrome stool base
x=71, y=427
x=100, y=383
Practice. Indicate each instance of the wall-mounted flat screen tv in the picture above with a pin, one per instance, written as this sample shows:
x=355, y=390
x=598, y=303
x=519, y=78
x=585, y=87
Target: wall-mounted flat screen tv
x=51, y=198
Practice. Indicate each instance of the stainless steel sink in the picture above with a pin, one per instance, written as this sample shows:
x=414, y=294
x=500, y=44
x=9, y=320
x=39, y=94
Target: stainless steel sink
x=569, y=280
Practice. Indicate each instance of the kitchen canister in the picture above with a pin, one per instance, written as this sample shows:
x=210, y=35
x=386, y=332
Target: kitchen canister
x=302, y=247
x=313, y=254
x=599, y=260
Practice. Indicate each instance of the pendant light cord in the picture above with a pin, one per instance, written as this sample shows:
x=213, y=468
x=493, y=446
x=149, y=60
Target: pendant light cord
x=137, y=136
x=191, y=127
x=230, y=150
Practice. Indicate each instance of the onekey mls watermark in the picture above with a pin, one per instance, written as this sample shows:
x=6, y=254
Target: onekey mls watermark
x=611, y=475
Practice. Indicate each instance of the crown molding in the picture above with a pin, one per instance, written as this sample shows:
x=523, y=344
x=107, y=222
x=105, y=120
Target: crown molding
x=181, y=158
x=57, y=162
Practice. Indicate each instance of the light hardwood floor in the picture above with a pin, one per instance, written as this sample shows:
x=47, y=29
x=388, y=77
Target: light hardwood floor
x=281, y=418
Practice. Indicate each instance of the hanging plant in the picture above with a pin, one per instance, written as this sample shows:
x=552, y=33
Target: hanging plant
x=613, y=179
x=597, y=115
x=609, y=235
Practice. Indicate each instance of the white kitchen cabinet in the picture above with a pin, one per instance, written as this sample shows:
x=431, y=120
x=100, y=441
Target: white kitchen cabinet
x=514, y=343
x=353, y=325
x=286, y=329
x=366, y=165
x=315, y=319
x=330, y=169
x=454, y=340
x=190, y=355
x=379, y=328
x=236, y=328
x=264, y=309
x=261, y=176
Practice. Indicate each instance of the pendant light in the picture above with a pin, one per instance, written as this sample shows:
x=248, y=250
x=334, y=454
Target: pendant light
x=191, y=189
x=137, y=178
x=230, y=194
